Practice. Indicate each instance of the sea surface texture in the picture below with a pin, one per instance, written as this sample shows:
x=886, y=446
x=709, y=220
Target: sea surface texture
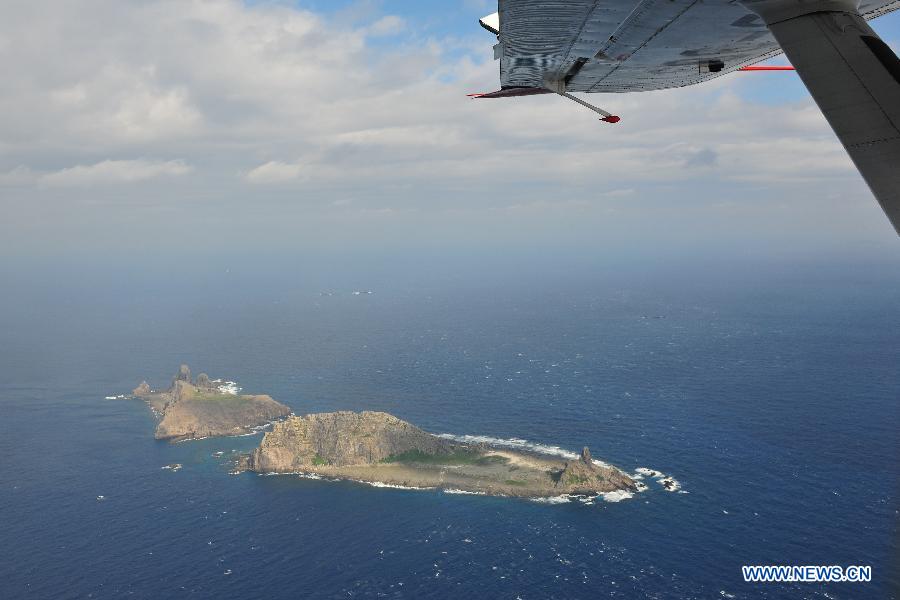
x=770, y=396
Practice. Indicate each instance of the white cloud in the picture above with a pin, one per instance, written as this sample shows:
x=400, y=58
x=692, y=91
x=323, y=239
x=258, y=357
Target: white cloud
x=385, y=26
x=274, y=172
x=114, y=171
x=273, y=94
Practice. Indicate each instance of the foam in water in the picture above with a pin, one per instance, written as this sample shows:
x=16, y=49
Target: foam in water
x=301, y=474
x=519, y=444
x=227, y=387
x=668, y=483
x=644, y=471
x=381, y=484
x=553, y=499
x=515, y=443
x=616, y=496
x=465, y=492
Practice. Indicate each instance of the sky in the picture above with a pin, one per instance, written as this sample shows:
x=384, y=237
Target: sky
x=131, y=130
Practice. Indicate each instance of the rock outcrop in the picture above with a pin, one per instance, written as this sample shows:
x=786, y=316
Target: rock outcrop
x=197, y=410
x=341, y=439
x=184, y=374
x=583, y=476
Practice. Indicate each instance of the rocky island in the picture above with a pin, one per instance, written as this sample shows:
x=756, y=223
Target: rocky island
x=194, y=409
x=371, y=447
x=376, y=447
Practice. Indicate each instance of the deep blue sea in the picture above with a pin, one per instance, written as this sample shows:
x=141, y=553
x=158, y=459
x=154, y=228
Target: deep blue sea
x=770, y=391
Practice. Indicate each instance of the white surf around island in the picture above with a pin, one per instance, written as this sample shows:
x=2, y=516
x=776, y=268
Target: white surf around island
x=563, y=499
x=300, y=474
x=588, y=500
x=393, y=486
x=227, y=387
x=617, y=496
x=667, y=482
x=463, y=492
x=375, y=484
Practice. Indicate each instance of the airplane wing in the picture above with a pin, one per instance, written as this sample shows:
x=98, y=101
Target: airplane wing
x=614, y=46
x=854, y=77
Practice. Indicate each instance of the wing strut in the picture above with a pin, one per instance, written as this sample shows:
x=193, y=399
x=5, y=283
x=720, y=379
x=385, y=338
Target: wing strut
x=530, y=91
x=853, y=76
x=604, y=116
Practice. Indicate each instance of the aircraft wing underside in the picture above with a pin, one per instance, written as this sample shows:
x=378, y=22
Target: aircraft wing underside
x=624, y=46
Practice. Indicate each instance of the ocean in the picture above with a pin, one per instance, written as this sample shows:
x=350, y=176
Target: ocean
x=769, y=391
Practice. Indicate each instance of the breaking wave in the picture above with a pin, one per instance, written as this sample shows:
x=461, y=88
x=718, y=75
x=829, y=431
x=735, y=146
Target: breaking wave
x=616, y=496
x=565, y=498
x=227, y=387
x=518, y=444
x=381, y=484
x=668, y=483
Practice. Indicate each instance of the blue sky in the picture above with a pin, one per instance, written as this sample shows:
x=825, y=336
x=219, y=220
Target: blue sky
x=329, y=126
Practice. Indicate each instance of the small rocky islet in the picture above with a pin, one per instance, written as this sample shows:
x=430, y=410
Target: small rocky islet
x=371, y=447
x=200, y=408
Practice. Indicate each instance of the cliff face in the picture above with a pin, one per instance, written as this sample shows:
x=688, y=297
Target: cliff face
x=341, y=439
x=197, y=410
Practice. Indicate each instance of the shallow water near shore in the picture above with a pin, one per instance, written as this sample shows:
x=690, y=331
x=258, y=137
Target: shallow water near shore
x=774, y=406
